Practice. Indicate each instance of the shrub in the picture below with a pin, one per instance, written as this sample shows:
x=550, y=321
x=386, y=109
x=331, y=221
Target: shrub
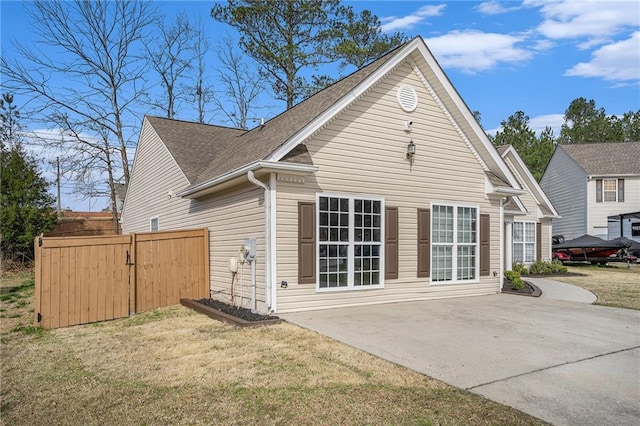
x=514, y=278
x=545, y=267
x=520, y=269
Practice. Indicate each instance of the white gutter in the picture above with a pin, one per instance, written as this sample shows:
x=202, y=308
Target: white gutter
x=273, y=235
x=292, y=168
x=502, y=249
x=267, y=235
x=503, y=190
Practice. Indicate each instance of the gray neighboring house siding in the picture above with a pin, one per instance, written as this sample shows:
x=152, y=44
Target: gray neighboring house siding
x=565, y=184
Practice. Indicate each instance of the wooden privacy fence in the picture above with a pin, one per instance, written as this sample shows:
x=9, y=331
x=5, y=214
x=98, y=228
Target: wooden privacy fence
x=88, y=279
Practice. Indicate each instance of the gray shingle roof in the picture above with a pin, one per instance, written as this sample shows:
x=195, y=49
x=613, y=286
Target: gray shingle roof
x=193, y=145
x=204, y=152
x=617, y=158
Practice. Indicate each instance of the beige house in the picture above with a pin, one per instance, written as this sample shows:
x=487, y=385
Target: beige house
x=380, y=188
x=527, y=217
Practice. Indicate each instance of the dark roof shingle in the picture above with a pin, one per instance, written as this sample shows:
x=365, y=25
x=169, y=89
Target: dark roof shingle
x=193, y=145
x=611, y=158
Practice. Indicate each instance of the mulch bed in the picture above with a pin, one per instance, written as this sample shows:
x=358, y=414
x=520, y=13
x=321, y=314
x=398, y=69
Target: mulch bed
x=529, y=289
x=224, y=312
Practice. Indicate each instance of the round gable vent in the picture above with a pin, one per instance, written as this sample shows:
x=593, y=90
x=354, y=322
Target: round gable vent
x=407, y=98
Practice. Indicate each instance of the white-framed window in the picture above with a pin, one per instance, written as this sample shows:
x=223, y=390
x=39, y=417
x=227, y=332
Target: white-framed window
x=454, y=243
x=350, y=236
x=524, y=242
x=610, y=190
x=154, y=223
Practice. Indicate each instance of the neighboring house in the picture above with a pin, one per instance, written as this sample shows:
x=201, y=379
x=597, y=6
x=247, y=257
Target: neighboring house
x=380, y=188
x=121, y=191
x=527, y=217
x=75, y=224
x=589, y=182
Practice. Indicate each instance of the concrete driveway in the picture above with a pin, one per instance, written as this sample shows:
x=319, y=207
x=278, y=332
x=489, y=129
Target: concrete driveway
x=565, y=362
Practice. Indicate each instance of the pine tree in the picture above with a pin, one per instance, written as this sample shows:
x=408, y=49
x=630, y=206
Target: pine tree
x=25, y=205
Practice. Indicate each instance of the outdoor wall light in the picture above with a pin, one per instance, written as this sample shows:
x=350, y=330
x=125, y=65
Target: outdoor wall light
x=411, y=151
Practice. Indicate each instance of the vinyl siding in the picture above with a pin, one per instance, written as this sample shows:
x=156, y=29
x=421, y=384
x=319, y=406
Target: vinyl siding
x=598, y=212
x=362, y=152
x=565, y=184
x=531, y=204
x=230, y=216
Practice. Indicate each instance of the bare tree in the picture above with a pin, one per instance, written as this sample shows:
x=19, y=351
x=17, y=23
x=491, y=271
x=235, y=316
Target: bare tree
x=201, y=91
x=171, y=54
x=89, y=51
x=240, y=86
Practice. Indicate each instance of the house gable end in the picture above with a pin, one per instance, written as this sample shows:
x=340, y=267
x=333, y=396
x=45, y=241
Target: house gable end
x=153, y=168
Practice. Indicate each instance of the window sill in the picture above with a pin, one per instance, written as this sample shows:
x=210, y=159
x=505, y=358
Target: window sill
x=438, y=283
x=354, y=288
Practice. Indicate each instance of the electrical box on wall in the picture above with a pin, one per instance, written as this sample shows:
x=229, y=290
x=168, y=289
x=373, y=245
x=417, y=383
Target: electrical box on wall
x=250, y=249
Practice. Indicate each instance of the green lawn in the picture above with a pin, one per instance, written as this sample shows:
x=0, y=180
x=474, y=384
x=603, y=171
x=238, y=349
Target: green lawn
x=174, y=366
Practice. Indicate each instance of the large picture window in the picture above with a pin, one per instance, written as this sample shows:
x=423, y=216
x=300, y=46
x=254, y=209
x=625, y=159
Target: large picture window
x=454, y=248
x=349, y=242
x=524, y=242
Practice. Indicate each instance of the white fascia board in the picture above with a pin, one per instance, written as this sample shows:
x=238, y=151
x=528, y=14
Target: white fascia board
x=269, y=166
x=466, y=113
x=491, y=189
x=613, y=175
x=537, y=192
x=346, y=100
x=504, y=190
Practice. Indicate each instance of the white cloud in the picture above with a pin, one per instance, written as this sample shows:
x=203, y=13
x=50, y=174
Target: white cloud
x=555, y=121
x=539, y=123
x=494, y=7
x=394, y=23
x=594, y=20
x=619, y=61
x=473, y=51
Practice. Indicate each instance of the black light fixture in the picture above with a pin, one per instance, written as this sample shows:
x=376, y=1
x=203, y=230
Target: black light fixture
x=411, y=151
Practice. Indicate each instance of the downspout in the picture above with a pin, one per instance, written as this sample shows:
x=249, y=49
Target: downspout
x=502, y=253
x=267, y=236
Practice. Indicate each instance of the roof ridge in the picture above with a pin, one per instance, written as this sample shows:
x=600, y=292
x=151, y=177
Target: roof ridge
x=194, y=122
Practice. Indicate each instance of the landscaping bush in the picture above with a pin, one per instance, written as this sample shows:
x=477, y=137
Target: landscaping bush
x=520, y=269
x=514, y=277
x=545, y=267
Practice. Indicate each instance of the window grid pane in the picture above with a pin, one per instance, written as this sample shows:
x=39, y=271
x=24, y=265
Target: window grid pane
x=610, y=190
x=442, y=263
x=466, y=262
x=442, y=224
x=454, y=230
x=335, y=247
x=466, y=225
x=524, y=242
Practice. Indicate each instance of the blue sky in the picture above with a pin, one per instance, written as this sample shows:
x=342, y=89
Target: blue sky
x=532, y=55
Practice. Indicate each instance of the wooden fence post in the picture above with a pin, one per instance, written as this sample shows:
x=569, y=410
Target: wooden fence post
x=207, y=279
x=132, y=275
x=38, y=277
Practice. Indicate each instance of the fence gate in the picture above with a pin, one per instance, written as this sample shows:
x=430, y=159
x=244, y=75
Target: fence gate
x=88, y=279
